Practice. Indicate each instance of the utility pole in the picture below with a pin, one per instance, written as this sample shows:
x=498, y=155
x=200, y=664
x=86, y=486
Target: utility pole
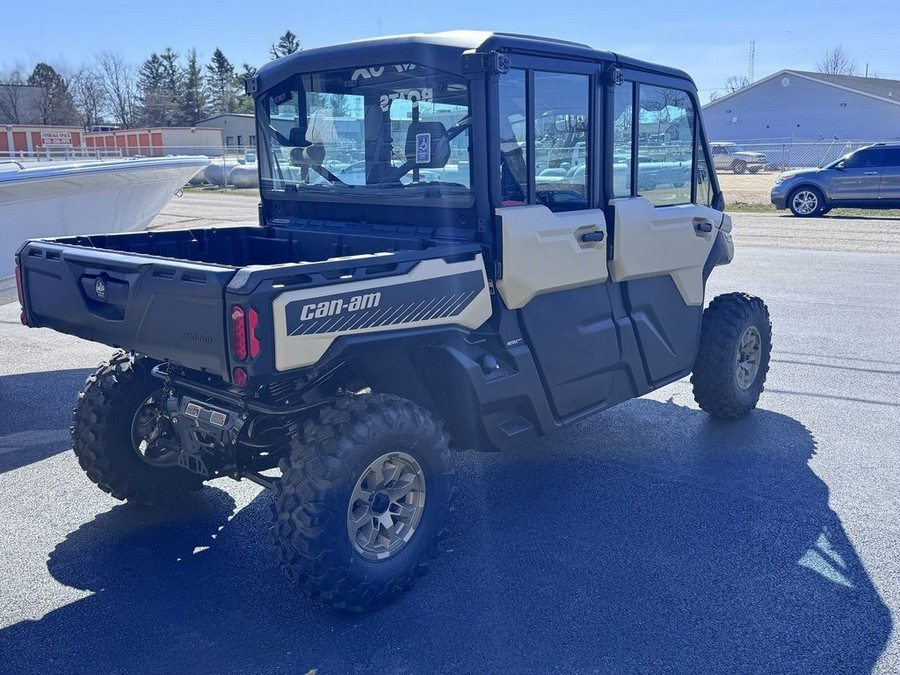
x=752, y=60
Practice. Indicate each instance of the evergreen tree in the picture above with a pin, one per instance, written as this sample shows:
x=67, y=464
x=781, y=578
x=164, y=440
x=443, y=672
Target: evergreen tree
x=221, y=84
x=244, y=102
x=55, y=104
x=191, y=99
x=287, y=44
x=152, y=100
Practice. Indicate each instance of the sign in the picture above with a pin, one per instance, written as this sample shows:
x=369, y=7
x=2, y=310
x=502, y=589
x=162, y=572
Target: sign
x=423, y=148
x=56, y=138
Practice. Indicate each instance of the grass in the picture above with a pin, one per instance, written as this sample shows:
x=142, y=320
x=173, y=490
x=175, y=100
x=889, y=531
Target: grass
x=740, y=207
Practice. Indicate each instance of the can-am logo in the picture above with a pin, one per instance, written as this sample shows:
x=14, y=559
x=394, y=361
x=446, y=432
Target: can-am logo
x=319, y=310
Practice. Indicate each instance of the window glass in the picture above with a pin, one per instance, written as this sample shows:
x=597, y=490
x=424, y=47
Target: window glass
x=560, y=164
x=862, y=159
x=665, y=145
x=892, y=156
x=623, y=122
x=704, y=171
x=392, y=132
x=513, y=145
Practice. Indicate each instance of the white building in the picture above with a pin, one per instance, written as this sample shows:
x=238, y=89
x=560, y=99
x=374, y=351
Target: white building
x=797, y=105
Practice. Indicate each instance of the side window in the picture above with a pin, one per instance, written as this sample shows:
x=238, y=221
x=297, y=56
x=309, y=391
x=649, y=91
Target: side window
x=561, y=124
x=892, y=157
x=704, y=190
x=623, y=114
x=862, y=159
x=513, y=142
x=665, y=145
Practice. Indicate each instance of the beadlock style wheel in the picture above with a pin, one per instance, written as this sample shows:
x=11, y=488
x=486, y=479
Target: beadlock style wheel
x=151, y=435
x=747, y=357
x=386, y=506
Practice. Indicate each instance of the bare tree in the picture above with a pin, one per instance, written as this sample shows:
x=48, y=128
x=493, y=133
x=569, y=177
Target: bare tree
x=90, y=96
x=736, y=82
x=119, y=83
x=11, y=98
x=837, y=62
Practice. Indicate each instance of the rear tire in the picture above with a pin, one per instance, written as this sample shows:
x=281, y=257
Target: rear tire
x=367, y=461
x=103, y=435
x=739, y=166
x=733, y=356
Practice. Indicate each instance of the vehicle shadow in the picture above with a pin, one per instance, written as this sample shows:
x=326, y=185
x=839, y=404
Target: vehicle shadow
x=646, y=539
x=35, y=415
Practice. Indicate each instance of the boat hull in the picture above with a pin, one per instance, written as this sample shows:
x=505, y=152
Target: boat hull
x=86, y=198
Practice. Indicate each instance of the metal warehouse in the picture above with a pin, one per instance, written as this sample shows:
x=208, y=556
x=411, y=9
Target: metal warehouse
x=803, y=106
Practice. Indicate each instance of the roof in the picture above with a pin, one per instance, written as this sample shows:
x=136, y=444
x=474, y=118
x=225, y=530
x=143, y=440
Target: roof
x=874, y=87
x=433, y=47
x=215, y=117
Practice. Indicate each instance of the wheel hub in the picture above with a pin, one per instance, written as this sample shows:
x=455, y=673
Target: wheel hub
x=151, y=434
x=386, y=506
x=748, y=357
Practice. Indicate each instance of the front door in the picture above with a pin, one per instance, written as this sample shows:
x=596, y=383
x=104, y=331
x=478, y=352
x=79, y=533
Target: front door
x=858, y=177
x=889, y=188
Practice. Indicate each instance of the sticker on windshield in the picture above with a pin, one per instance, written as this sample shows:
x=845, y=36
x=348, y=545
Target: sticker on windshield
x=423, y=148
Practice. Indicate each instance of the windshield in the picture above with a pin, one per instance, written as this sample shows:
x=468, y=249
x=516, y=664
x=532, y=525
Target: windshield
x=390, y=131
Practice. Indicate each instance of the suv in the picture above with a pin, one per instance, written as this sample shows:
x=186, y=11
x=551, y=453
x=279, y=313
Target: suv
x=734, y=158
x=866, y=178
x=340, y=351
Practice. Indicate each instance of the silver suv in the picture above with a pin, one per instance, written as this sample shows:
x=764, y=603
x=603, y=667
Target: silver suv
x=866, y=178
x=734, y=158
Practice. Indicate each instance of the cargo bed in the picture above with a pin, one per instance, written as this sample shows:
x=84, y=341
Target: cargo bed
x=165, y=294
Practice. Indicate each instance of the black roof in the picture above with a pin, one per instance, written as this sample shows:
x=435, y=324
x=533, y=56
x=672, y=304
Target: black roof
x=443, y=47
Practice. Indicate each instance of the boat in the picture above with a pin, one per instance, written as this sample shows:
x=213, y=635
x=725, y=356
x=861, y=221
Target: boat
x=55, y=199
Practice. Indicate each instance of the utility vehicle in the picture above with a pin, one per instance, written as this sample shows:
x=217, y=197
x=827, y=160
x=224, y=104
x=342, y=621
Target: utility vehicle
x=446, y=297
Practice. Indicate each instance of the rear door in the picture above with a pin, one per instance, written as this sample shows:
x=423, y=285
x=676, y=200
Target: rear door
x=889, y=187
x=663, y=232
x=859, y=176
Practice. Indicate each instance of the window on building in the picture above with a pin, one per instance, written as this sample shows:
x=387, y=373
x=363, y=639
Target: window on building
x=253, y=141
x=240, y=140
x=229, y=140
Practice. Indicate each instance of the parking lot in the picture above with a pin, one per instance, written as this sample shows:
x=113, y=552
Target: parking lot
x=645, y=539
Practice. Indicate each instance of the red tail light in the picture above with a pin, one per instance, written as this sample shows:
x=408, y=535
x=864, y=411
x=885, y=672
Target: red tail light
x=253, y=322
x=19, y=290
x=239, y=333
x=239, y=377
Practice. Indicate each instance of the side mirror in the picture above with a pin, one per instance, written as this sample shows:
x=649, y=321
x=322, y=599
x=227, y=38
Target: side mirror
x=718, y=202
x=840, y=166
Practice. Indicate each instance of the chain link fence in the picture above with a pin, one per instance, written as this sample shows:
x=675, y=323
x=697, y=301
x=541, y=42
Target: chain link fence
x=781, y=155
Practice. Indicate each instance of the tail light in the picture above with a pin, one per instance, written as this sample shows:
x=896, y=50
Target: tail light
x=19, y=290
x=239, y=333
x=253, y=322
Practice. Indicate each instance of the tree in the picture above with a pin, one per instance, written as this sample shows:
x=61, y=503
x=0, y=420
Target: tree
x=244, y=103
x=90, y=96
x=54, y=103
x=221, y=84
x=837, y=62
x=736, y=82
x=191, y=99
x=287, y=44
x=152, y=97
x=119, y=83
x=11, y=99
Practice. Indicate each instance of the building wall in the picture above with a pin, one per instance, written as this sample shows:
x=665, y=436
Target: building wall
x=24, y=141
x=800, y=110
x=237, y=130
x=156, y=142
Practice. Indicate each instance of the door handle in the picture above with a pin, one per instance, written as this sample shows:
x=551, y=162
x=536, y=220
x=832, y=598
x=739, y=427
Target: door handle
x=592, y=236
x=703, y=225
x=870, y=173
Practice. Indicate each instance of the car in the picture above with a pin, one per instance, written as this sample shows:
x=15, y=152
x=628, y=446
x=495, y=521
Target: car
x=734, y=158
x=866, y=178
x=341, y=350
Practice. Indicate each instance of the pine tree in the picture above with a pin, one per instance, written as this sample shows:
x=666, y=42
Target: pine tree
x=191, y=99
x=221, y=84
x=152, y=98
x=244, y=102
x=287, y=44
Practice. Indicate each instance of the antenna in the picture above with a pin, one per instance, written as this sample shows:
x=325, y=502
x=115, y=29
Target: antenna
x=752, y=59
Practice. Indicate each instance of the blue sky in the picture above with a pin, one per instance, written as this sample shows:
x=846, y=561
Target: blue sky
x=710, y=39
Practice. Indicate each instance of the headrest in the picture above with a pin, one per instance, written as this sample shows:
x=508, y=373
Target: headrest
x=320, y=127
x=297, y=137
x=427, y=145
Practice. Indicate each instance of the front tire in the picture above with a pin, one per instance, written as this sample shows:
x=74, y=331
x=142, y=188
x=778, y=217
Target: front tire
x=361, y=503
x=733, y=356
x=806, y=202
x=117, y=403
x=739, y=166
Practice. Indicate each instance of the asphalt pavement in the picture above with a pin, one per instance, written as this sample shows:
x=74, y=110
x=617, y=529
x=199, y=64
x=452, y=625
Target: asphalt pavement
x=646, y=539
